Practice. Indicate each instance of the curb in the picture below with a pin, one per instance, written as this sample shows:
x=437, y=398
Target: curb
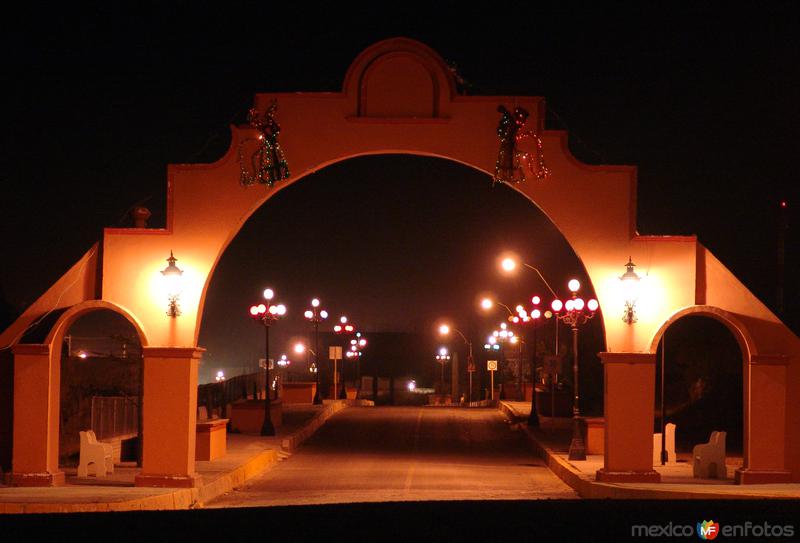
x=591, y=489
x=189, y=498
x=297, y=438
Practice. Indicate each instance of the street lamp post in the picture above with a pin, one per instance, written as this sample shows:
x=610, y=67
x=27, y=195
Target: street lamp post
x=354, y=353
x=267, y=314
x=442, y=357
x=315, y=315
x=344, y=329
x=444, y=330
x=576, y=313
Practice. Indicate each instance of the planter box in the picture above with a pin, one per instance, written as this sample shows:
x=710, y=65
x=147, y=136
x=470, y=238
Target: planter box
x=211, y=440
x=247, y=417
x=298, y=392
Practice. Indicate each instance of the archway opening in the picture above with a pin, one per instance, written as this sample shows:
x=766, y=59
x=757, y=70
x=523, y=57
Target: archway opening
x=398, y=243
x=101, y=386
x=703, y=385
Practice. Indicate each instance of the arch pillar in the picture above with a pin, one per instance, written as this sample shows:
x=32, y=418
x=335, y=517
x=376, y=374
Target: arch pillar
x=628, y=402
x=765, y=384
x=37, y=398
x=169, y=417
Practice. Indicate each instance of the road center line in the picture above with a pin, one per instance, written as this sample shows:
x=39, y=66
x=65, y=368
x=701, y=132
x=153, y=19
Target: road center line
x=415, y=448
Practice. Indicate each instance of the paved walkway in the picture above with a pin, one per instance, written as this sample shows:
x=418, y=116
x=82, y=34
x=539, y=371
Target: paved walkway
x=246, y=456
x=552, y=440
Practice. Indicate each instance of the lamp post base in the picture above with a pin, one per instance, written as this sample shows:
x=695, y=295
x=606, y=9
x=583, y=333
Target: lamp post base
x=268, y=429
x=577, y=448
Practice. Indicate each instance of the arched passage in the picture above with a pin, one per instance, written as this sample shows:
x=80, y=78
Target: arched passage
x=394, y=260
x=703, y=369
x=707, y=369
x=101, y=373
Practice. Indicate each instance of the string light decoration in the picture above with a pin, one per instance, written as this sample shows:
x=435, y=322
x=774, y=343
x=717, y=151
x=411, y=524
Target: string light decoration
x=267, y=163
x=511, y=159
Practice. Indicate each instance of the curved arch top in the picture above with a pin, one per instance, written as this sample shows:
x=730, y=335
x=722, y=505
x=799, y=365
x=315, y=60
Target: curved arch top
x=733, y=324
x=76, y=311
x=372, y=82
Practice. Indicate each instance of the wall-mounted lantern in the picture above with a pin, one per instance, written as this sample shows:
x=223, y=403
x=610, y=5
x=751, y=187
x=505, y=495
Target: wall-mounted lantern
x=172, y=279
x=630, y=291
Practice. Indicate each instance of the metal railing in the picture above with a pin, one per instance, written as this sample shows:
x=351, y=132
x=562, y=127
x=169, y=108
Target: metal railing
x=217, y=396
x=114, y=416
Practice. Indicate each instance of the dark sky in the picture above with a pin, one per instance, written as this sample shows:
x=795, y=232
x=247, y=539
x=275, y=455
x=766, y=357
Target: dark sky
x=100, y=99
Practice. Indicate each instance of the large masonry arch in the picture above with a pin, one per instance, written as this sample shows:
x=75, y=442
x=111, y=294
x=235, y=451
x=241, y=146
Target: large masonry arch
x=399, y=97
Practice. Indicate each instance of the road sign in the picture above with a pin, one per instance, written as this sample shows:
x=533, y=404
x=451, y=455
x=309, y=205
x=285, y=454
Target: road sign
x=491, y=365
x=335, y=353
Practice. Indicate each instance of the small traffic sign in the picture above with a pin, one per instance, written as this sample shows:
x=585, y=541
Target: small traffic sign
x=335, y=353
x=491, y=365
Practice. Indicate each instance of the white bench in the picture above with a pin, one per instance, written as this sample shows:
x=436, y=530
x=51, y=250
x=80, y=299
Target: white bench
x=669, y=445
x=709, y=458
x=95, y=455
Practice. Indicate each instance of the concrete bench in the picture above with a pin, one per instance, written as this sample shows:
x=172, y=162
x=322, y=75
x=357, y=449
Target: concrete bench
x=708, y=459
x=669, y=445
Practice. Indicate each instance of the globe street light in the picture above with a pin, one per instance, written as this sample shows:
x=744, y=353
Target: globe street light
x=576, y=313
x=444, y=330
x=442, y=357
x=315, y=315
x=344, y=328
x=267, y=314
x=354, y=353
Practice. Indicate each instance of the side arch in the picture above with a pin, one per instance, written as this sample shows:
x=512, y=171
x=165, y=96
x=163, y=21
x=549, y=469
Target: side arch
x=56, y=333
x=736, y=327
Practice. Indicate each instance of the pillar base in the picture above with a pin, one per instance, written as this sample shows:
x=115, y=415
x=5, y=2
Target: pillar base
x=36, y=479
x=604, y=476
x=168, y=481
x=745, y=476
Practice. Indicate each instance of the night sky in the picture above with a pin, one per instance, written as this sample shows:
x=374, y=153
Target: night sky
x=100, y=99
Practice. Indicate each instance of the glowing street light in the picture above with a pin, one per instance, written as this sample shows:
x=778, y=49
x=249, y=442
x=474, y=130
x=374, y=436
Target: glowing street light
x=172, y=279
x=630, y=288
x=576, y=313
x=315, y=315
x=442, y=358
x=444, y=330
x=509, y=264
x=267, y=314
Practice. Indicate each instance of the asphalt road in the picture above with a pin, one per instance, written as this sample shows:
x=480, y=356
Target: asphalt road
x=379, y=454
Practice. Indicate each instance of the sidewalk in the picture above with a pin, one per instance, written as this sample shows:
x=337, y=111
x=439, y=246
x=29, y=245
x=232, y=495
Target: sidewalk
x=551, y=441
x=246, y=457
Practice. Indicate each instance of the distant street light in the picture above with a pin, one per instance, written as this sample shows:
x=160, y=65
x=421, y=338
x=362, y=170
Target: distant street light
x=442, y=357
x=267, y=314
x=316, y=315
x=444, y=330
x=576, y=313
x=510, y=264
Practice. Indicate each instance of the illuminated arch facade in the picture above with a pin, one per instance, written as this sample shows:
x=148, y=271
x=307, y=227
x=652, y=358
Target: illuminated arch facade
x=399, y=97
